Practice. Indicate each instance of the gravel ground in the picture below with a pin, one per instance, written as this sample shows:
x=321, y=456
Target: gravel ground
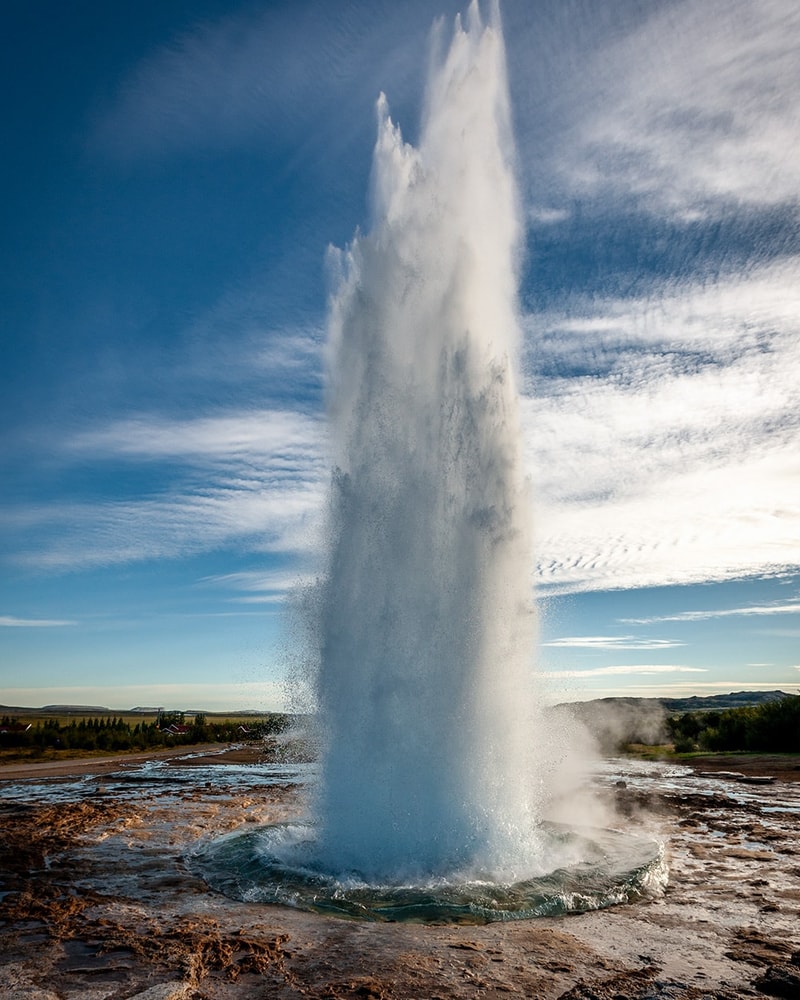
x=97, y=903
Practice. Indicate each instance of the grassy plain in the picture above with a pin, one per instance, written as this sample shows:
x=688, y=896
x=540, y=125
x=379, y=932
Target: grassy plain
x=66, y=717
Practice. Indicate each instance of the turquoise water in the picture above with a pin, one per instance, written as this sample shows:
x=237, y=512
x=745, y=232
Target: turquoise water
x=590, y=870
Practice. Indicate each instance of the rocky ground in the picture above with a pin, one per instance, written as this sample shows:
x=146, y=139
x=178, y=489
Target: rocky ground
x=97, y=903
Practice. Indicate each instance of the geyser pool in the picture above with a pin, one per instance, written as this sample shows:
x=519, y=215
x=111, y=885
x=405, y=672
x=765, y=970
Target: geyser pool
x=583, y=871
x=434, y=768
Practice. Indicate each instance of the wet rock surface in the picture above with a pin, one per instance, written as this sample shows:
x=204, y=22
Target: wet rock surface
x=97, y=902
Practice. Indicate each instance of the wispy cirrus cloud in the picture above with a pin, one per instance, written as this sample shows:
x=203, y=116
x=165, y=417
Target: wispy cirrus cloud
x=172, y=526
x=610, y=642
x=662, y=431
x=676, y=459
x=10, y=621
x=255, y=333
x=260, y=587
x=290, y=439
x=235, y=478
x=217, y=84
x=699, y=102
x=624, y=670
x=237, y=81
x=757, y=610
x=677, y=462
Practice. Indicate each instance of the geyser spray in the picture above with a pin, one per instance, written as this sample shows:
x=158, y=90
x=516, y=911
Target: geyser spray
x=426, y=627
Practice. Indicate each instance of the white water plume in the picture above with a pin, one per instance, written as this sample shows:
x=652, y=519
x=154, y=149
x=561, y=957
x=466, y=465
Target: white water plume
x=425, y=684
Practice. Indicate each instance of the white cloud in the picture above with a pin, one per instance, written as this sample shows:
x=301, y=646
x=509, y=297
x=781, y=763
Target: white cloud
x=238, y=80
x=289, y=439
x=254, y=331
x=611, y=642
x=681, y=463
x=624, y=670
x=9, y=621
x=547, y=216
x=790, y=608
x=175, y=525
x=238, y=478
x=702, y=101
x=261, y=586
x=216, y=85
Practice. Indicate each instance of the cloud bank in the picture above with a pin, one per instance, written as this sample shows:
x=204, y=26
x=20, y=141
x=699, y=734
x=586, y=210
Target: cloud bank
x=254, y=479
x=698, y=105
x=677, y=459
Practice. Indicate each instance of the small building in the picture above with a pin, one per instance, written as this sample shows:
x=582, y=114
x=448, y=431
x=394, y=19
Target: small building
x=14, y=728
x=176, y=729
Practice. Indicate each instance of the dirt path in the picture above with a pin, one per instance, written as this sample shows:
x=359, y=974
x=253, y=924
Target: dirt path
x=782, y=767
x=73, y=766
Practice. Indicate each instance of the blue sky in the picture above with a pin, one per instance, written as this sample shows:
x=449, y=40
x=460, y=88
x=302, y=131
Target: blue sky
x=173, y=174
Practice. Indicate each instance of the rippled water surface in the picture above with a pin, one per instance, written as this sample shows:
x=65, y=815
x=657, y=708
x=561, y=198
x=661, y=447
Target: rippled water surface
x=588, y=870
x=158, y=776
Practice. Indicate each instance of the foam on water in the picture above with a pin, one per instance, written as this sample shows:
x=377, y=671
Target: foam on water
x=586, y=870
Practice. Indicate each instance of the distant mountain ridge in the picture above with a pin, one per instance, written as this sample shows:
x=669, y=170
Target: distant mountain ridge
x=73, y=708
x=137, y=710
x=695, y=703
x=614, y=722
x=736, y=699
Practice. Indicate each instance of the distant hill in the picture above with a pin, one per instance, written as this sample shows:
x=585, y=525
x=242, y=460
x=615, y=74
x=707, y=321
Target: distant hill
x=614, y=721
x=704, y=703
x=100, y=710
x=718, y=702
x=69, y=709
x=55, y=710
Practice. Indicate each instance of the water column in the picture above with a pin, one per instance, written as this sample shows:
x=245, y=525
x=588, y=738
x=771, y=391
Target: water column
x=425, y=621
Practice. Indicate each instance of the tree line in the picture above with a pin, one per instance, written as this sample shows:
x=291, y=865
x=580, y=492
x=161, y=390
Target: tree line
x=115, y=733
x=772, y=727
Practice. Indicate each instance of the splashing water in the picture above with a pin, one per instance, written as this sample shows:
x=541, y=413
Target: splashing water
x=430, y=798
x=427, y=624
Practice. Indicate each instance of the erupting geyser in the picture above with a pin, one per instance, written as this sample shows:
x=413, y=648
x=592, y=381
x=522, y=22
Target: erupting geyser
x=427, y=625
x=429, y=800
